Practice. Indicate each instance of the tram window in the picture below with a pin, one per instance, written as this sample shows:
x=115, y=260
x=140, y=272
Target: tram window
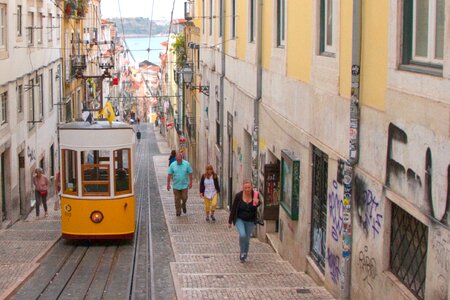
x=122, y=171
x=95, y=172
x=69, y=158
x=94, y=156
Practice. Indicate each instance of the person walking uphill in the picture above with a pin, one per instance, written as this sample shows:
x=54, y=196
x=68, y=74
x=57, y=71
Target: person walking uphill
x=180, y=172
x=209, y=188
x=243, y=216
x=40, y=182
x=172, y=157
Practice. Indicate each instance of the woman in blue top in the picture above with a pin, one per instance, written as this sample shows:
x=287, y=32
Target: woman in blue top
x=243, y=216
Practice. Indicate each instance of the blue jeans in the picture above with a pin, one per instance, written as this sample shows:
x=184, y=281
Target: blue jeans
x=245, y=230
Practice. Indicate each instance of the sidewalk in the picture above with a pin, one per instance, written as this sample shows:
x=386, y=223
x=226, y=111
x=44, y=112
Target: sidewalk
x=23, y=244
x=207, y=262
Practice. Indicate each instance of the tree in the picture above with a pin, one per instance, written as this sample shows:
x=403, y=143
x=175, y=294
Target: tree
x=179, y=49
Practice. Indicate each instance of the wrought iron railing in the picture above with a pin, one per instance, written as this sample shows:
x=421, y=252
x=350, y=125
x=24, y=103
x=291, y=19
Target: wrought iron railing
x=319, y=208
x=408, y=259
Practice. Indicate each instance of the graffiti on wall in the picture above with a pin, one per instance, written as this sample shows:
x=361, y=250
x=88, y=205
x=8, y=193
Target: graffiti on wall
x=441, y=247
x=441, y=288
x=333, y=266
x=31, y=153
x=319, y=240
x=335, y=209
x=414, y=175
x=368, y=208
x=367, y=265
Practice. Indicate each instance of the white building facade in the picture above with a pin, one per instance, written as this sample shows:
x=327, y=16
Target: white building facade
x=30, y=91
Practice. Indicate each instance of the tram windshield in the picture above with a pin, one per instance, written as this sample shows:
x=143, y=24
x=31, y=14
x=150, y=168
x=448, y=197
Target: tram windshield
x=95, y=172
x=95, y=168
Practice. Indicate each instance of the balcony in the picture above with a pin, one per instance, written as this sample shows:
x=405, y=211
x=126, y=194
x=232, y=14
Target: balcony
x=77, y=65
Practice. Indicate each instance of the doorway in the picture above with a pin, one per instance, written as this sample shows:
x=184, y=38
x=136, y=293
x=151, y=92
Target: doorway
x=3, y=185
x=22, y=197
x=230, y=158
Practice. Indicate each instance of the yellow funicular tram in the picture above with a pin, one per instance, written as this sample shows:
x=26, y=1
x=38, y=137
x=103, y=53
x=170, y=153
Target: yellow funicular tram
x=97, y=192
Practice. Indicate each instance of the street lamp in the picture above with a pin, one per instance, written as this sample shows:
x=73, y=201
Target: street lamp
x=187, y=78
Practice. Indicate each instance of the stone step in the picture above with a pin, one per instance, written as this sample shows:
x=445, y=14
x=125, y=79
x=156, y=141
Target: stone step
x=213, y=258
x=246, y=280
x=314, y=293
x=224, y=248
x=236, y=267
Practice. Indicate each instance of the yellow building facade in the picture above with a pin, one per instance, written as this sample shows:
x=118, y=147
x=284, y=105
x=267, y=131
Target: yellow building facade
x=339, y=112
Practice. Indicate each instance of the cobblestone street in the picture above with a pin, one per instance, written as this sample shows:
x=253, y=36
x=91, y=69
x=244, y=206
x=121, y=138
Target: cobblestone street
x=207, y=262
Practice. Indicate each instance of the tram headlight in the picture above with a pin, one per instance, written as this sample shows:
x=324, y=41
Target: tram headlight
x=96, y=216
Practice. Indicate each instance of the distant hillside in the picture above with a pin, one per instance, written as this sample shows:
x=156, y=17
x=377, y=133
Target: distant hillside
x=140, y=26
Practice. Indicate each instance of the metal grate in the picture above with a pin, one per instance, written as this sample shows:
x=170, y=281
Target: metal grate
x=409, y=239
x=319, y=207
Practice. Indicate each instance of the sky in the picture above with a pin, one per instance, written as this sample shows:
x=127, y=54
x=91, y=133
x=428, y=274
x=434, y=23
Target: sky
x=142, y=8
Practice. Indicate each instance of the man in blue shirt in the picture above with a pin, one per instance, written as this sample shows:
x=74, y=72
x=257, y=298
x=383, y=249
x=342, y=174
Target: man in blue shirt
x=180, y=172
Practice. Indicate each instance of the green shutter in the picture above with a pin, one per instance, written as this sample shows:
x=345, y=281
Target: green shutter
x=322, y=26
x=407, y=31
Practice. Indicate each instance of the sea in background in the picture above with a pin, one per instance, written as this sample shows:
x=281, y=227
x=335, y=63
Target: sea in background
x=139, y=48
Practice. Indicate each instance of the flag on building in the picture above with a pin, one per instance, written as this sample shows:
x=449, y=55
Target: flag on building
x=108, y=112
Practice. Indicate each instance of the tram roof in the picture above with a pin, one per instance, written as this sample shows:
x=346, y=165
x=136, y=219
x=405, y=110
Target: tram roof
x=99, y=125
x=100, y=135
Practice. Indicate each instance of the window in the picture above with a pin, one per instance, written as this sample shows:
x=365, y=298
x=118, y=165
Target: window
x=68, y=107
x=40, y=84
x=31, y=103
x=69, y=172
x=233, y=19
x=50, y=89
x=3, y=108
x=210, y=17
x=218, y=136
x=19, y=20
x=281, y=22
x=52, y=160
x=3, y=27
x=40, y=28
x=252, y=19
x=408, y=251
x=122, y=171
x=50, y=27
x=327, y=20
x=221, y=16
x=203, y=17
x=95, y=173
x=290, y=183
x=423, y=35
x=30, y=28
x=58, y=27
x=20, y=98
x=319, y=207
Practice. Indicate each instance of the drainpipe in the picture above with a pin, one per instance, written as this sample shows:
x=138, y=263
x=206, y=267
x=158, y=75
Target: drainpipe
x=222, y=104
x=349, y=166
x=258, y=94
